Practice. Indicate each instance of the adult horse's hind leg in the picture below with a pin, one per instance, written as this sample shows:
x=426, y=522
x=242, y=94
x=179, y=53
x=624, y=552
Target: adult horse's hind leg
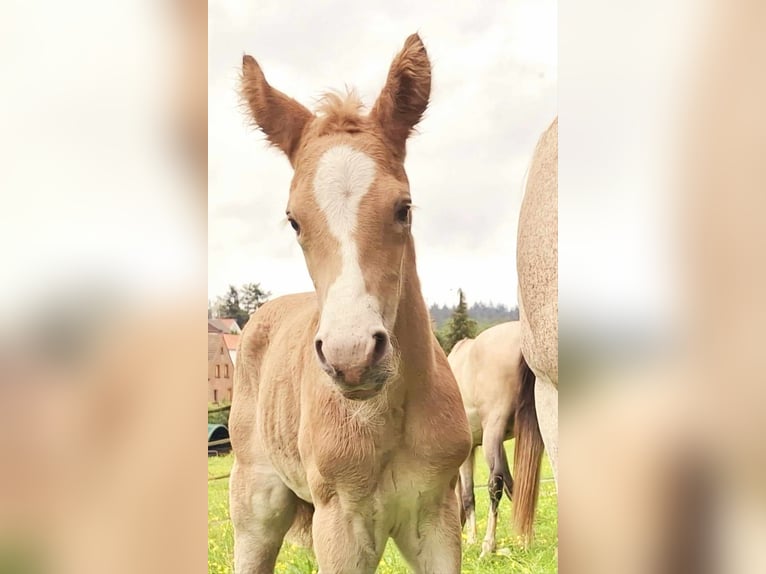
x=547, y=407
x=262, y=509
x=467, y=496
x=499, y=476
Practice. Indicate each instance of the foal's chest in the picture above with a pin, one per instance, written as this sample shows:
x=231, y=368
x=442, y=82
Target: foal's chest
x=390, y=471
x=405, y=488
x=393, y=458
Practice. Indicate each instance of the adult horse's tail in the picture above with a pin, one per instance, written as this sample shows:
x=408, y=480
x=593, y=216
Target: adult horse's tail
x=527, y=455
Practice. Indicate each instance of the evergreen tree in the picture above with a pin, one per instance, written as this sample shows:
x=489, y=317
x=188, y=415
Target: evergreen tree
x=240, y=303
x=229, y=307
x=441, y=337
x=460, y=325
x=252, y=296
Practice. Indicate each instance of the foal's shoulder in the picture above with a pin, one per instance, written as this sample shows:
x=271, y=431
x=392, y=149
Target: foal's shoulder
x=277, y=309
x=275, y=313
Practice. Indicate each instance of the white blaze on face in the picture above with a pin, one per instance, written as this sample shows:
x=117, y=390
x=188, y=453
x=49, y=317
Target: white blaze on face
x=350, y=315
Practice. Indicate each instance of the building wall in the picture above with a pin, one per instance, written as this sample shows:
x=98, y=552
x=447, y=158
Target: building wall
x=220, y=371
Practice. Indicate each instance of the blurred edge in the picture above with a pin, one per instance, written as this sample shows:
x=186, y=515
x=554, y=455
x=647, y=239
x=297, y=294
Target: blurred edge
x=662, y=180
x=664, y=472
x=104, y=136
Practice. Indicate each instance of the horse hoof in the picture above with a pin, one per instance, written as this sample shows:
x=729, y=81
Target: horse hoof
x=487, y=548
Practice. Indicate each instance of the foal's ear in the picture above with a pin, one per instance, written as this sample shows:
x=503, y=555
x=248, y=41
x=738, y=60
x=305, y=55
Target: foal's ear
x=280, y=117
x=404, y=98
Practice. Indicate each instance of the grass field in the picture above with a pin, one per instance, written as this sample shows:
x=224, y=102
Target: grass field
x=539, y=558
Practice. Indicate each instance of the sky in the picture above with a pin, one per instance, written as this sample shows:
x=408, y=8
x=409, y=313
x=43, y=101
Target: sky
x=493, y=93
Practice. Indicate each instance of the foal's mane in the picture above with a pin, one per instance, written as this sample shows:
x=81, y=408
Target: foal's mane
x=338, y=112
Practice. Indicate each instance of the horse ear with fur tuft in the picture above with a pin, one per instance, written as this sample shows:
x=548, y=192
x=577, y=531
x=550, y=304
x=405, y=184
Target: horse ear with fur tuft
x=280, y=117
x=404, y=98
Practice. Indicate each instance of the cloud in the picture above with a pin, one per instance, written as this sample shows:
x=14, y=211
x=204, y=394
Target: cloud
x=494, y=92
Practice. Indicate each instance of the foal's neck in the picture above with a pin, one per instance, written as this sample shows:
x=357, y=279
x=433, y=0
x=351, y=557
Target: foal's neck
x=413, y=324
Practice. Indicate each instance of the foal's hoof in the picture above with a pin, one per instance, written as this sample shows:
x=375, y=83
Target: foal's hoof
x=471, y=538
x=487, y=547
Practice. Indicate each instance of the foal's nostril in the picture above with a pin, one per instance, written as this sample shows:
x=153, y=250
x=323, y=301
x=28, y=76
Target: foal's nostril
x=381, y=346
x=320, y=354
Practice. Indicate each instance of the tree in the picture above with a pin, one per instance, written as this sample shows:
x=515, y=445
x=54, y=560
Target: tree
x=251, y=296
x=441, y=337
x=229, y=306
x=460, y=325
x=240, y=303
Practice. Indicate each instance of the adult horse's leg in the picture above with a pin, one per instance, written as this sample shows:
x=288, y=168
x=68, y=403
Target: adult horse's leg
x=345, y=539
x=467, y=496
x=262, y=509
x=430, y=541
x=499, y=475
x=547, y=407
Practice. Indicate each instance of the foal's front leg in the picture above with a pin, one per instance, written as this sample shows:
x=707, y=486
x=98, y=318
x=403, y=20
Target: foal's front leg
x=262, y=509
x=430, y=542
x=345, y=539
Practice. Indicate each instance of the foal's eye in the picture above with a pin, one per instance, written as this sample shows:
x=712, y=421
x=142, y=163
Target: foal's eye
x=294, y=225
x=403, y=213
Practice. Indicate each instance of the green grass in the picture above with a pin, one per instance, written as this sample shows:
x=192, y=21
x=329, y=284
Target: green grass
x=539, y=558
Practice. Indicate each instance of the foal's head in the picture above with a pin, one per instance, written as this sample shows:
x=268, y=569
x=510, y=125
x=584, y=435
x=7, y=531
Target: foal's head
x=349, y=206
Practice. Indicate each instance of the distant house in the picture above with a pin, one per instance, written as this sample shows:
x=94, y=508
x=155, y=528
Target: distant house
x=232, y=343
x=226, y=325
x=213, y=327
x=220, y=369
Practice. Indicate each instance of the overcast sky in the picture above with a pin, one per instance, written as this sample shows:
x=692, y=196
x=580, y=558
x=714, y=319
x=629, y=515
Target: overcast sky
x=494, y=92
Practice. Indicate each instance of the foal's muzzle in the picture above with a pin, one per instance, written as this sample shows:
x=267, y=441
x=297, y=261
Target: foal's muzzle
x=354, y=363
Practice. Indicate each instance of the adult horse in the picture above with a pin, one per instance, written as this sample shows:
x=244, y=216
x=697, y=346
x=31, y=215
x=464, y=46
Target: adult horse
x=346, y=419
x=537, y=266
x=487, y=372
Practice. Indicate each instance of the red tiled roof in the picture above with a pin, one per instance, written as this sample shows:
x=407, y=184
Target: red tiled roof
x=232, y=341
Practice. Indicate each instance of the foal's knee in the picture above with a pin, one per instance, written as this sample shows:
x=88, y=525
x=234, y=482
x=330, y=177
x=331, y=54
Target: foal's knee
x=265, y=504
x=274, y=500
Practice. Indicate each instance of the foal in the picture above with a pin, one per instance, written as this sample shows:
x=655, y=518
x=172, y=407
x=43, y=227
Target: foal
x=487, y=372
x=346, y=422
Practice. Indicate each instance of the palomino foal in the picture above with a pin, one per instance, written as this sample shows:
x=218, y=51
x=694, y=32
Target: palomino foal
x=487, y=372
x=537, y=265
x=347, y=423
